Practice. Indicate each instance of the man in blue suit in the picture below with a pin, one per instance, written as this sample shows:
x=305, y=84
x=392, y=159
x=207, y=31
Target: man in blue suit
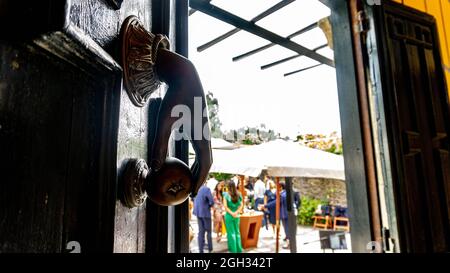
x=283, y=209
x=202, y=209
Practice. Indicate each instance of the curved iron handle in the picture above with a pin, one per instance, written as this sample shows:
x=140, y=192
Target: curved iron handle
x=147, y=61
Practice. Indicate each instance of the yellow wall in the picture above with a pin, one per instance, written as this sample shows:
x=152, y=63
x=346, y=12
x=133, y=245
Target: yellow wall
x=440, y=9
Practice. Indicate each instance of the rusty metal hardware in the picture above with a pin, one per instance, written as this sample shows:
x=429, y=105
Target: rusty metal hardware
x=147, y=61
x=139, y=51
x=169, y=186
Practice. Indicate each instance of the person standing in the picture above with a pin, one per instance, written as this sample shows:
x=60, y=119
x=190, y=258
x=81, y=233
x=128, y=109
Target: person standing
x=269, y=213
x=218, y=209
x=249, y=191
x=258, y=191
x=202, y=209
x=283, y=211
x=233, y=204
x=191, y=230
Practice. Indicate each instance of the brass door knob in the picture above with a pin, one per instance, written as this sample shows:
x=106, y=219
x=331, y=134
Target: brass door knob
x=168, y=186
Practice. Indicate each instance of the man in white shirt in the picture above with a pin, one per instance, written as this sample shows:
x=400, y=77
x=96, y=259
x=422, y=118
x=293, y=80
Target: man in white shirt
x=258, y=190
x=211, y=183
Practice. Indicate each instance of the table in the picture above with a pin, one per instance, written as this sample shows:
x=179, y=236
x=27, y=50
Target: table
x=250, y=224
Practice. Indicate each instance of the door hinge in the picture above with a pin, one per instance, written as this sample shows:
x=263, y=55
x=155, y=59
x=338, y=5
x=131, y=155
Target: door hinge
x=388, y=242
x=363, y=22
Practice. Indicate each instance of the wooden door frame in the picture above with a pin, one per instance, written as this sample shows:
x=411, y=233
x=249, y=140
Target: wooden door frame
x=353, y=134
x=181, y=212
x=358, y=153
x=168, y=227
x=157, y=223
x=158, y=217
x=358, y=158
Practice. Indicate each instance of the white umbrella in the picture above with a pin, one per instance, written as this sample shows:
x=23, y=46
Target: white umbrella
x=228, y=158
x=289, y=159
x=237, y=161
x=218, y=143
x=281, y=159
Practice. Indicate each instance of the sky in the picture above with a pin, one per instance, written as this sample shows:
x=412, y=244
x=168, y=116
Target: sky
x=305, y=102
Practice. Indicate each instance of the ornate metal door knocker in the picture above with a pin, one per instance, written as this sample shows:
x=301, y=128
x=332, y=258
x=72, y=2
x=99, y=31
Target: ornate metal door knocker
x=139, y=53
x=147, y=61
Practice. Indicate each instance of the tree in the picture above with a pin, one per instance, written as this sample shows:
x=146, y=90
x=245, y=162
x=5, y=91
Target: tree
x=251, y=135
x=331, y=143
x=213, y=114
x=245, y=135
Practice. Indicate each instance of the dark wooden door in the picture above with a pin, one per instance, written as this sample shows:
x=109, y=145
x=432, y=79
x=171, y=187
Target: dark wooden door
x=418, y=123
x=67, y=127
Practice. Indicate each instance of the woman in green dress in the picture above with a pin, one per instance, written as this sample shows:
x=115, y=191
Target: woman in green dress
x=233, y=204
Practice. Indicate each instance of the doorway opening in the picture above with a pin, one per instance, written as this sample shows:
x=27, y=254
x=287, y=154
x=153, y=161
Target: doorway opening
x=269, y=70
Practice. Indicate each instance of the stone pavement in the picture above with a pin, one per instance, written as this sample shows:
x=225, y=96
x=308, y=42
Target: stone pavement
x=307, y=241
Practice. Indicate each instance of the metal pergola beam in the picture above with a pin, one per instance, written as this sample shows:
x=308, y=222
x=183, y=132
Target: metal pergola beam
x=240, y=23
x=252, y=52
x=326, y=2
x=192, y=11
x=289, y=58
x=301, y=70
x=264, y=47
x=260, y=16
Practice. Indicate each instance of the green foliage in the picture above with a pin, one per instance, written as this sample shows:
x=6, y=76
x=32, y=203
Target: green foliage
x=221, y=176
x=245, y=135
x=251, y=135
x=307, y=209
x=331, y=143
x=335, y=149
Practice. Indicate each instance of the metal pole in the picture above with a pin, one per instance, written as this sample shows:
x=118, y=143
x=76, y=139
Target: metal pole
x=367, y=138
x=292, y=221
x=277, y=215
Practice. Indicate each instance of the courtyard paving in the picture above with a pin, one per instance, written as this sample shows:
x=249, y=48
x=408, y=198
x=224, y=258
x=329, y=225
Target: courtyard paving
x=308, y=241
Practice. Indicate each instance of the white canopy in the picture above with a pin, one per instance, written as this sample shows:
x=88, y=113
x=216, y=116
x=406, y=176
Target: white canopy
x=236, y=162
x=218, y=143
x=280, y=158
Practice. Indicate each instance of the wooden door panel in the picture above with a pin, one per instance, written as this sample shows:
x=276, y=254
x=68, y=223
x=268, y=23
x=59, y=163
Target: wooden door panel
x=67, y=128
x=420, y=124
x=90, y=194
x=132, y=143
x=98, y=20
x=33, y=151
x=103, y=25
x=440, y=139
x=401, y=70
x=416, y=215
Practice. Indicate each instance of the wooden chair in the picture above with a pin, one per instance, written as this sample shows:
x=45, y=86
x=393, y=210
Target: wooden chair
x=340, y=219
x=341, y=223
x=323, y=221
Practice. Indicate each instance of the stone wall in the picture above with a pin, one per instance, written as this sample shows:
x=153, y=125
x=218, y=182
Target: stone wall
x=322, y=188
